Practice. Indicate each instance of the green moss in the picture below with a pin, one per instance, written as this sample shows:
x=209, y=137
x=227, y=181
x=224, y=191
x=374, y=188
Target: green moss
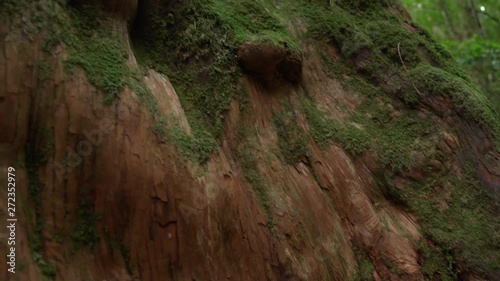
x=386, y=36
x=200, y=61
x=33, y=15
x=94, y=47
x=350, y=80
x=126, y=257
x=10, y=8
x=85, y=232
x=396, y=140
x=53, y=39
x=200, y=65
x=440, y=55
x=414, y=48
x=365, y=271
x=437, y=262
x=246, y=153
x=291, y=140
x=378, y=34
x=201, y=38
x=34, y=158
x=47, y=268
x=467, y=98
x=463, y=225
x=381, y=34
x=352, y=138
x=98, y=51
x=89, y=40
x=21, y=265
x=99, y=58
x=47, y=145
x=339, y=27
x=44, y=70
x=391, y=266
x=363, y=5
x=251, y=20
x=197, y=146
x=102, y=58
x=342, y=25
x=337, y=69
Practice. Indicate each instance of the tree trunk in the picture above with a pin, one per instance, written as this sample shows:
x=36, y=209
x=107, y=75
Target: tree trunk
x=241, y=140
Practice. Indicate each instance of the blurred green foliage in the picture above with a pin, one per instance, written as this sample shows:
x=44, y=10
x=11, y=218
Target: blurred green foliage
x=470, y=29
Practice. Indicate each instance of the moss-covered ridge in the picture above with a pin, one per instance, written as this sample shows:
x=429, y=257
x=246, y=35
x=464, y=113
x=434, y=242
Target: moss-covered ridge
x=375, y=42
x=395, y=63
